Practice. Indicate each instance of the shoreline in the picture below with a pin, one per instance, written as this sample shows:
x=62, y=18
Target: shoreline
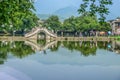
x=22, y=38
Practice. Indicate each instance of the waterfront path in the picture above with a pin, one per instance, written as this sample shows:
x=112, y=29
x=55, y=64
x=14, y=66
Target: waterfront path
x=20, y=38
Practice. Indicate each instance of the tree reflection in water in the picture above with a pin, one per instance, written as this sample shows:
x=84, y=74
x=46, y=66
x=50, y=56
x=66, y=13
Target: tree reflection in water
x=55, y=48
x=17, y=49
x=21, y=50
x=86, y=48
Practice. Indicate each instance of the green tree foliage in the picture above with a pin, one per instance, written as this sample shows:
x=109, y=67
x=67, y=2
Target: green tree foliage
x=85, y=22
x=104, y=27
x=82, y=23
x=52, y=23
x=95, y=7
x=17, y=14
x=70, y=24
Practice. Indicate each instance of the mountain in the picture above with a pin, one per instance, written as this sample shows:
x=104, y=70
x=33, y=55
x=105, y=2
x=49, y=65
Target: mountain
x=62, y=13
x=43, y=16
x=67, y=11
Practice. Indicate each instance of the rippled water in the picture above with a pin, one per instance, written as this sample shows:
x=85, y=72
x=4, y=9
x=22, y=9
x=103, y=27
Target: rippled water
x=42, y=60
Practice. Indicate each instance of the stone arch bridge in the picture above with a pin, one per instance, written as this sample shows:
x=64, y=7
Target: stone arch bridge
x=33, y=34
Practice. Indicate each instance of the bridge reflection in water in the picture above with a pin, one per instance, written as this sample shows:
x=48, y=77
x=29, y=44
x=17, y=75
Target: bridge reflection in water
x=22, y=49
x=42, y=45
x=39, y=47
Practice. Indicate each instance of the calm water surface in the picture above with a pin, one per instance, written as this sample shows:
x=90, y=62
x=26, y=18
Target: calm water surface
x=27, y=60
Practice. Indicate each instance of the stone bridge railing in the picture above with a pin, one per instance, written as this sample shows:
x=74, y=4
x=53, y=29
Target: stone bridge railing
x=36, y=30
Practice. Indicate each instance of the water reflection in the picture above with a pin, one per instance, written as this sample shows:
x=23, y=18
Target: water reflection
x=59, y=60
x=17, y=49
x=88, y=48
x=24, y=48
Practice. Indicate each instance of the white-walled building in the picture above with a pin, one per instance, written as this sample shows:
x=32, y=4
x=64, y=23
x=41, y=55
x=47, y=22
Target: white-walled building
x=115, y=25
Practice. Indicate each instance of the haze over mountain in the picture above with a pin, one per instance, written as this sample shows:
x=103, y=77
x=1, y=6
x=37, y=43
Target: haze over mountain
x=67, y=11
x=64, y=11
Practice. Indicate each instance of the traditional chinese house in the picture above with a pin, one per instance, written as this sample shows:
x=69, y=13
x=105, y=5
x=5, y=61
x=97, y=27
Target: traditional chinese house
x=115, y=25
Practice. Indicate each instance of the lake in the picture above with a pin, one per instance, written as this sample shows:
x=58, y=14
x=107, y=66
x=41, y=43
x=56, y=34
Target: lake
x=55, y=60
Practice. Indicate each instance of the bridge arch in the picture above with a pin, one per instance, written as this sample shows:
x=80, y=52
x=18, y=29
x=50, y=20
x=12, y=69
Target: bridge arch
x=35, y=46
x=34, y=33
x=41, y=35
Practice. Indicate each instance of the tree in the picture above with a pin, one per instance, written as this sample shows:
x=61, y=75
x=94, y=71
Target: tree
x=83, y=23
x=105, y=27
x=70, y=24
x=95, y=7
x=17, y=13
x=87, y=22
x=52, y=23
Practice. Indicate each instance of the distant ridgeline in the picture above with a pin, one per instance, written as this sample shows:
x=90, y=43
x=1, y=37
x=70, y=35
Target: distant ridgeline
x=69, y=11
x=46, y=16
x=62, y=13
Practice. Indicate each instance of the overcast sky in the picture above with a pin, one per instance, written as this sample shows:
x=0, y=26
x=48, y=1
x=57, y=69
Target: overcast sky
x=50, y=6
